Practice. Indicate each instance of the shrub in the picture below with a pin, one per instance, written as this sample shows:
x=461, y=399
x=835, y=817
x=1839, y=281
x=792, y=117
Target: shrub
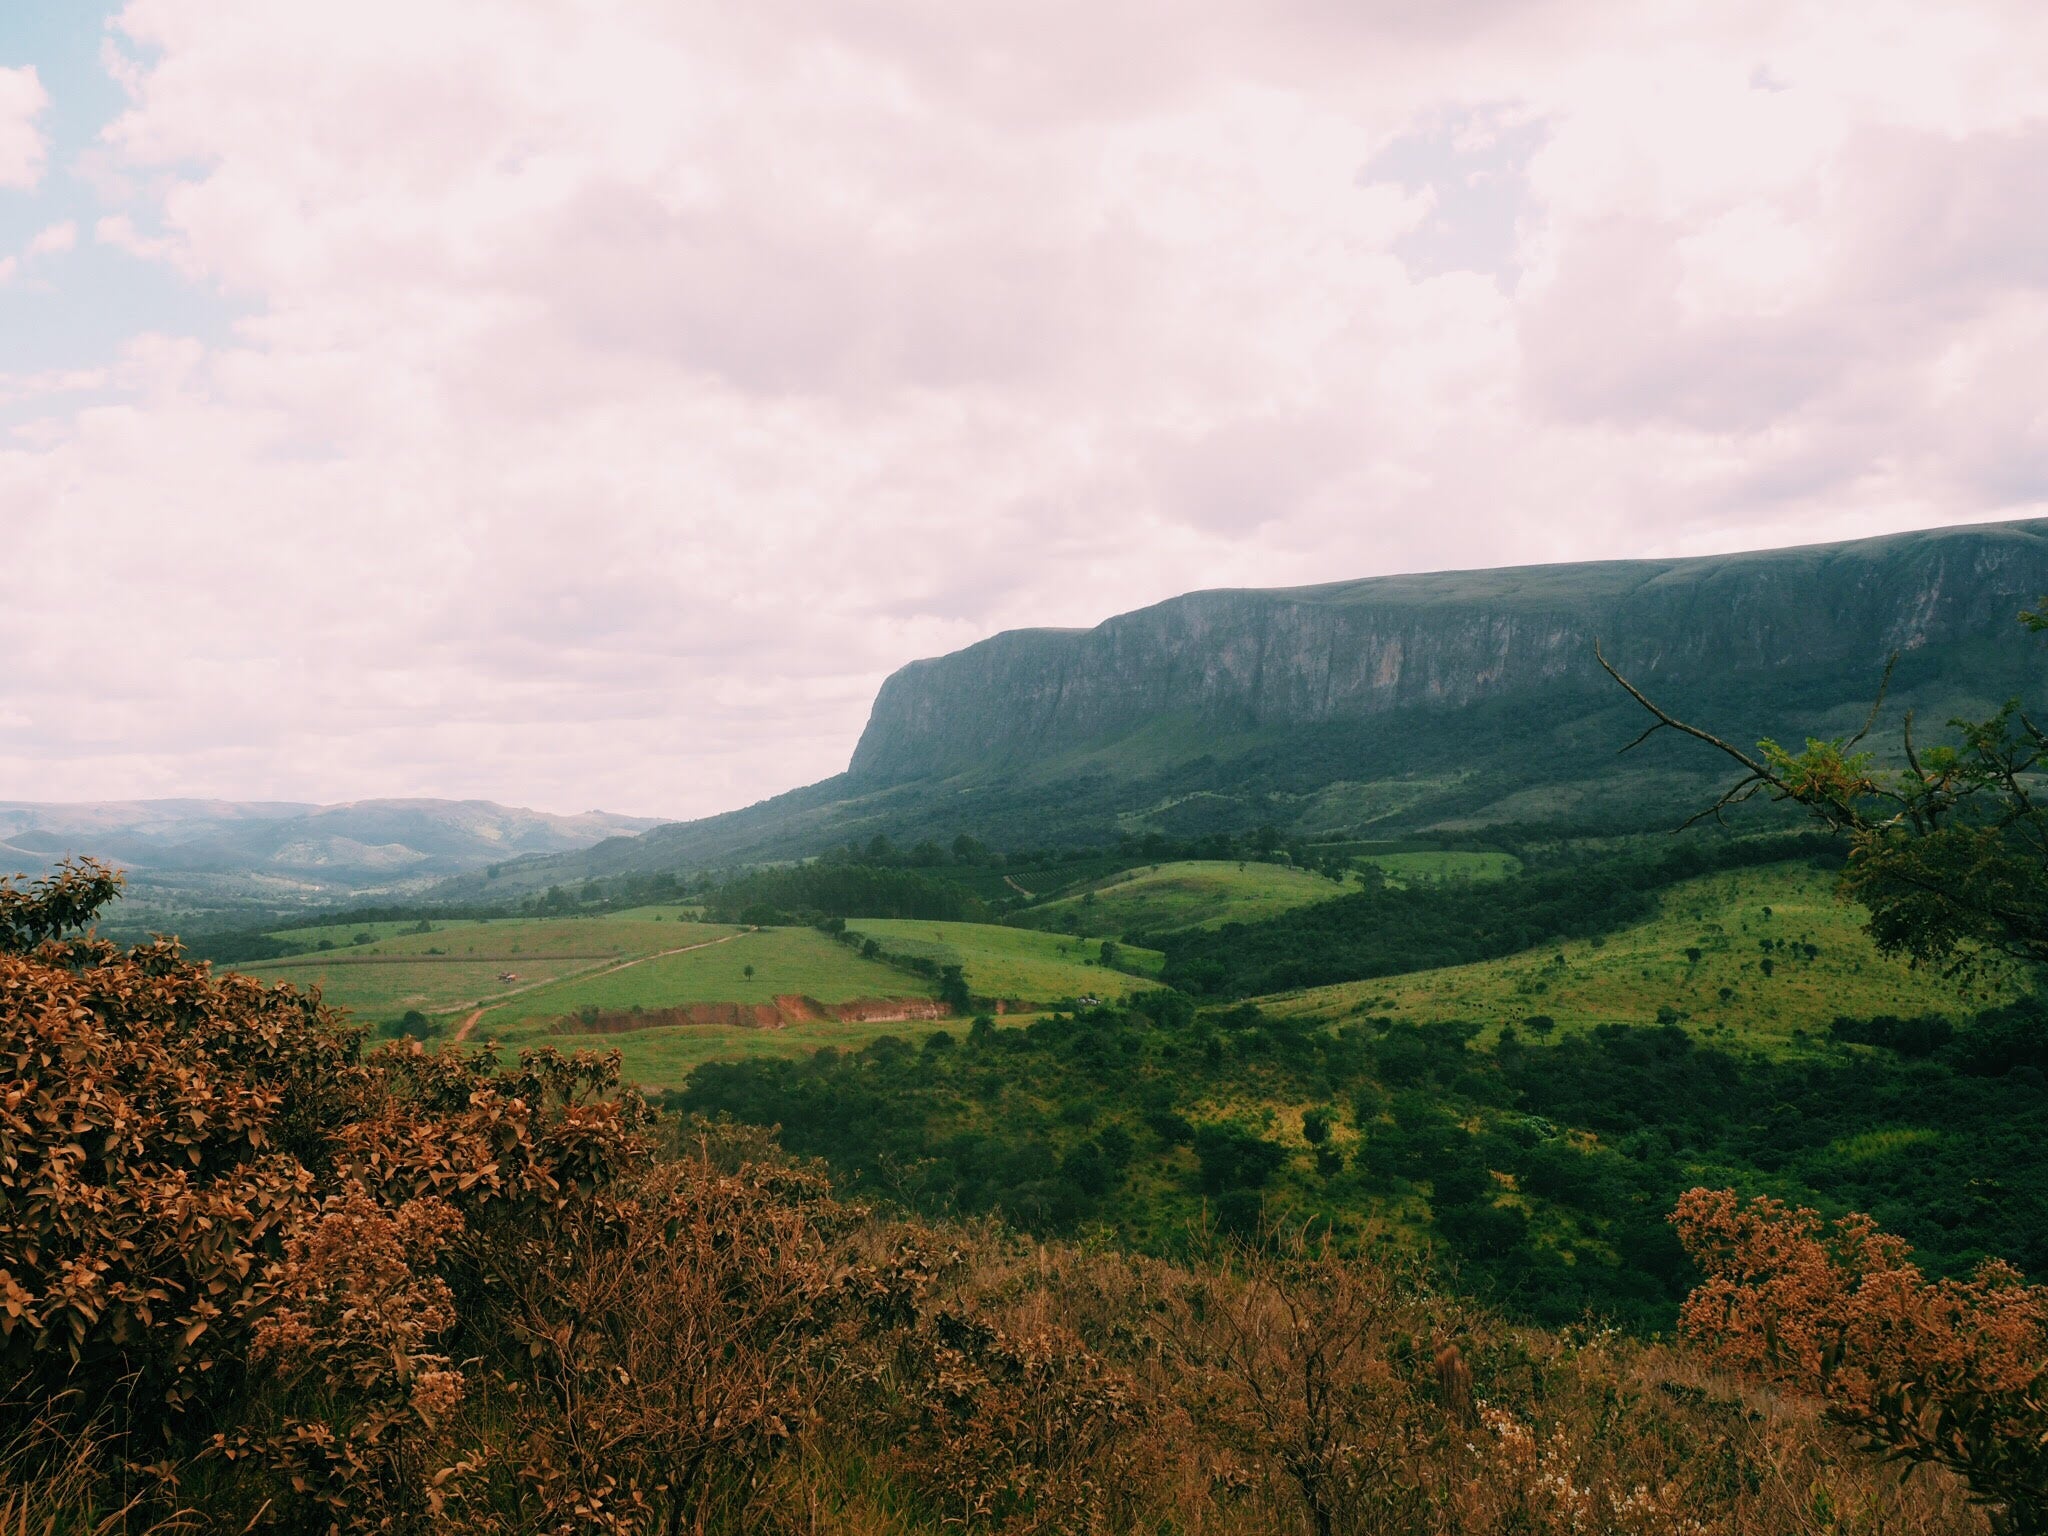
x=1950, y=1372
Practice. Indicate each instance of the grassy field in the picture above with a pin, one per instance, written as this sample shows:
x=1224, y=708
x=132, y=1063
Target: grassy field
x=799, y=961
x=640, y=931
x=1015, y=963
x=1193, y=893
x=1406, y=868
x=560, y=963
x=374, y=992
x=621, y=961
x=1704, y=957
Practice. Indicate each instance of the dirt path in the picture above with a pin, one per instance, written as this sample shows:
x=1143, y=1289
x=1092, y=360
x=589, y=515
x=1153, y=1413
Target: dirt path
x=463, y=1030
x=1013, y=885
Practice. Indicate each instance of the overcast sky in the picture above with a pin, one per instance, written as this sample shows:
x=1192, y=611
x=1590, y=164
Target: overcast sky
x=587, y=403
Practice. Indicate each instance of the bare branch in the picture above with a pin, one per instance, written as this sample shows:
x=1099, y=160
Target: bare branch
x=1669, y=722
x=1884, y=685
x=1734, y=795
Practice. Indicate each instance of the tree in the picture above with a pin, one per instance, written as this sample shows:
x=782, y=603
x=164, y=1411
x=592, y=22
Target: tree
x=1949, y=855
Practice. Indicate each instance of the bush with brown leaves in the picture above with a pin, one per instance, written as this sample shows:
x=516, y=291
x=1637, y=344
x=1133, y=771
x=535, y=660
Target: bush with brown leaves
x=1952, y=1373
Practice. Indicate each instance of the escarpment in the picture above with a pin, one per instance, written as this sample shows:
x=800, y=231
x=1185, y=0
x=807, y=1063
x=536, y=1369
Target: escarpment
x=1251, y=661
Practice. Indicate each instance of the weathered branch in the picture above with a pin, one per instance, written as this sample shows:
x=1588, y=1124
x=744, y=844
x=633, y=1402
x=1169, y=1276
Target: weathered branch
x=1884, y=685
x=1671, y=722
x=1758, y=776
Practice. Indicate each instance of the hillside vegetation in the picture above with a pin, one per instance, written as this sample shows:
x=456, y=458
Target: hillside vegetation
x=1387, y=929
x=1763, y=956
x=1193, y=893
x=1018, y=965
x=443, y=1292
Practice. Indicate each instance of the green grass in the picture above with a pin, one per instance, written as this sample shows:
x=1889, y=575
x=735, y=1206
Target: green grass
x=376, y=992
x=1869, y=1146
x=1192, y=893
x=566, y=964
x=784, y=961
x=1630, y=975
x=640, y=931
x=1018, y=964
x=1407, y=868
x=401, y=969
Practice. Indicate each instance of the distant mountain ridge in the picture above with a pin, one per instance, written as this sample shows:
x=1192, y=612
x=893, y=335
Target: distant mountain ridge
x=1397, y=704
x=214, y=854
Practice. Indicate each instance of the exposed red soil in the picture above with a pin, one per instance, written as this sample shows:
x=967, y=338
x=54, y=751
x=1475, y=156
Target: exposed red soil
x=785, y=1010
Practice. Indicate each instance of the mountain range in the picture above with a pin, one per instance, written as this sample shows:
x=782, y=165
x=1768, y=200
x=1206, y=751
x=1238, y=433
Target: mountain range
x=220, y=855
x=1393, y=705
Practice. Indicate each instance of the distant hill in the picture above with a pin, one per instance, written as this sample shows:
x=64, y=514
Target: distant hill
x=185, y=856
x=1395, y=704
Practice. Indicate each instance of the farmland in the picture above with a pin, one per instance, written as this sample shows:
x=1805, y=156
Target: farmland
x=1016, y=964
x=736, y=967
x=1191, y=893
x=447, y=967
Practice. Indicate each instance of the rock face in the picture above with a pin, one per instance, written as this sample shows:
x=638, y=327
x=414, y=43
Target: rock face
x=1395, y=705
x=1252, y=661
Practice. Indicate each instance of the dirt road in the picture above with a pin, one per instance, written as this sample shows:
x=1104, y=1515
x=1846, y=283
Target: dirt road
x=463, y=1030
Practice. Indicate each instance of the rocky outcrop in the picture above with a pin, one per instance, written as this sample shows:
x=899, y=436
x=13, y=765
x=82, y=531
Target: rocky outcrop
x=1241, y=661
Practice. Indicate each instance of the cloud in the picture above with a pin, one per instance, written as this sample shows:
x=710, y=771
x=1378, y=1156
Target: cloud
x=22, y=144
x=620, y=395
x=53, y=239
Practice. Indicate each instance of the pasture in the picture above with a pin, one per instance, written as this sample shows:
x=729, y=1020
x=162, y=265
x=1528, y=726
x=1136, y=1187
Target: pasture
x=735, y=966
x=1407, y=868
x=1766, y=956
x=1018, y=964
x=1191, y=893
x=563, y=965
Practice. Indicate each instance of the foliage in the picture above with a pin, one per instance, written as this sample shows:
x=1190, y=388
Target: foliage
x=445, y=1293
x=806, y=892
x=1948, y=853
x=1311, y=1360
x=1951, y=1372
x=1545, y=1172
x=1391, y=930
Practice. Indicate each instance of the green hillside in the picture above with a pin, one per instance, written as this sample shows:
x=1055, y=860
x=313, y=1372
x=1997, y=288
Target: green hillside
x=1193, y=893
x=1767, y=954
x=1018, y=965
x=1406, y=868
x=1388, y=707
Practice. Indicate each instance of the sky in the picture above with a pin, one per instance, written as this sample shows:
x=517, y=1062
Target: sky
x=587, y=403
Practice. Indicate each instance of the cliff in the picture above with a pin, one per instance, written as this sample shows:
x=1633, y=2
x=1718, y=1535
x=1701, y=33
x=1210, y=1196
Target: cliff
x=1234, y=662
x=1396, y=704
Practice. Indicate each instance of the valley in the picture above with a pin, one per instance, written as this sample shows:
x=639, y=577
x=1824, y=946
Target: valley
x=1484, y=1022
